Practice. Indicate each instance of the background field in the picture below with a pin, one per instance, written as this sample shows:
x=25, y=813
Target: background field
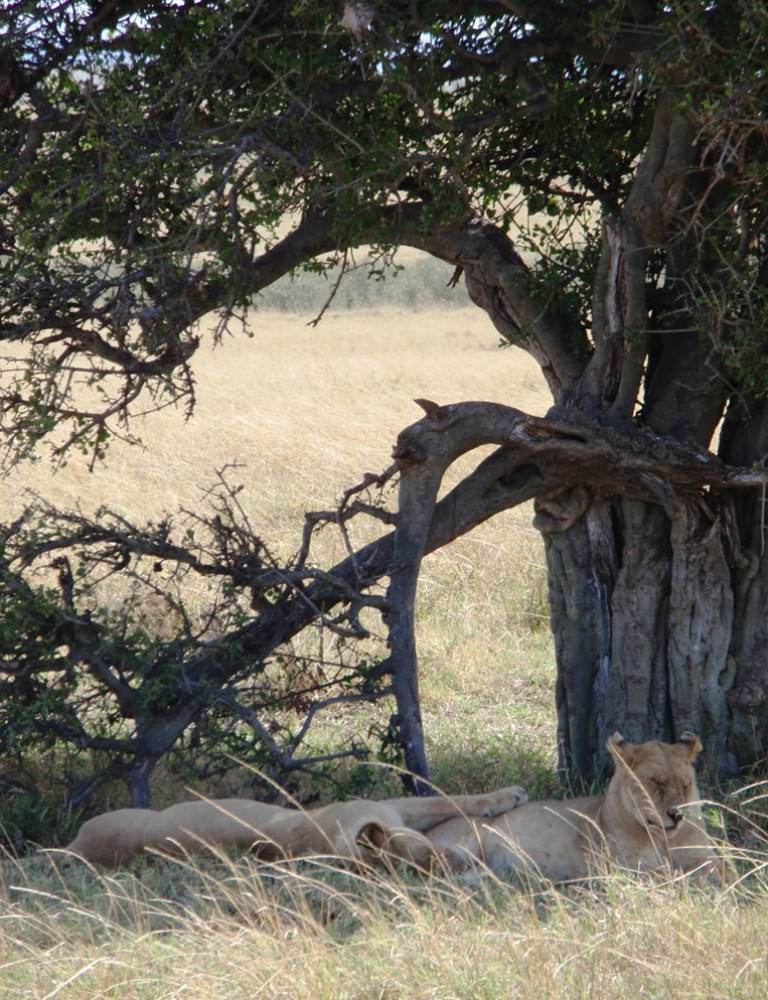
x=306, y=411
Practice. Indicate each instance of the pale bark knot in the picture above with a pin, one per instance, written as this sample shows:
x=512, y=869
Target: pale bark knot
x=749, y=697
x=561, y=510
x=357, y=18
x=408, y=454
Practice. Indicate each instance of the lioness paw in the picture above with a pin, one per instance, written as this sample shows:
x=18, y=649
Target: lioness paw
x=503, y=800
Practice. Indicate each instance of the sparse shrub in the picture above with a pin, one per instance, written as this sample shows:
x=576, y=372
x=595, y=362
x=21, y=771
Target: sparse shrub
x=29, y=818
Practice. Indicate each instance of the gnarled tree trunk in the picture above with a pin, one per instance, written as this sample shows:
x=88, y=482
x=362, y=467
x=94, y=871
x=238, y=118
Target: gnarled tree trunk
x=644, y=561
x=657, y=570
x=654, y=591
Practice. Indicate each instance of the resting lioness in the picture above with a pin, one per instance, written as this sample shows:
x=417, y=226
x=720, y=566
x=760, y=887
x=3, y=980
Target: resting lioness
x=648, y=819
x=359, y=829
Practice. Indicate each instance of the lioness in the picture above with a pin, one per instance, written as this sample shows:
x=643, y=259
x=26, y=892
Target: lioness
x=648, y=818
x=360, y=829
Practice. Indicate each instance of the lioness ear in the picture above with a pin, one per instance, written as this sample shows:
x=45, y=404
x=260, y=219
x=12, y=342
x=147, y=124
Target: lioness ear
x=693, y=744
x=619, y=748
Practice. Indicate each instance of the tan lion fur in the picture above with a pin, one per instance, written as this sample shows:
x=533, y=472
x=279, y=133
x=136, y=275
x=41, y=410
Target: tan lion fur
x=359, y=829
x=648, y=819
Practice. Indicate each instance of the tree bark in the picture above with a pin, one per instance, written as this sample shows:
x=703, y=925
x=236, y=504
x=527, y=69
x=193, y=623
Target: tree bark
x=418, y=496
x=641, y=559
x=744, y=438
x=581, y=564
x=659, y=628
x=137, y=776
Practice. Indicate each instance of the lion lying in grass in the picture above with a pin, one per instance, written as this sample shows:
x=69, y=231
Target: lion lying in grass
x=359, y=830
x=648, y=819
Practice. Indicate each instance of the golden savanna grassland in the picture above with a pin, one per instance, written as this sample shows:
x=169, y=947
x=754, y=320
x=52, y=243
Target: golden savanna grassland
x=306, y=411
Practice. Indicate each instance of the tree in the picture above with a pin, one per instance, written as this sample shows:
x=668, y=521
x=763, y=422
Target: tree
x=597, y=174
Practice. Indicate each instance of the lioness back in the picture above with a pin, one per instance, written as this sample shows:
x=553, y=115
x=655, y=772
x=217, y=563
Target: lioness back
x=550, y=837
x=113, y=838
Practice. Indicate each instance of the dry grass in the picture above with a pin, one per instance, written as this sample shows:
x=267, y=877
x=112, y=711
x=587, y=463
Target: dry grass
x=307, y=411
x=225, y=928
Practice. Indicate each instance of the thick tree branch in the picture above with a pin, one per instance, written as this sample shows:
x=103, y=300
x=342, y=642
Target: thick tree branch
x=612, y=378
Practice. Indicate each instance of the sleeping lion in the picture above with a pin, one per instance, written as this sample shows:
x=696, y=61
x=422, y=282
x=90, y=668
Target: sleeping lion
x=359, y=830
x=648, y=819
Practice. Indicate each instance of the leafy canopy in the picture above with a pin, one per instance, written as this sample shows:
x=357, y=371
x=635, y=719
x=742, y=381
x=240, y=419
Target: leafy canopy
x=160, y=160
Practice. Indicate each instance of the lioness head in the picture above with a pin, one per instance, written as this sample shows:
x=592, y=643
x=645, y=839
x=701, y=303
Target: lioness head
x=654, y=780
